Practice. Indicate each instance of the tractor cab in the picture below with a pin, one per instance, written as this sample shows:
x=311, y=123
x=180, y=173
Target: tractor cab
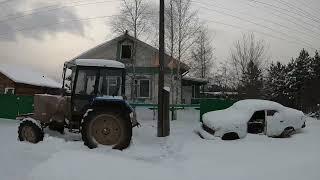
x=93, y=103
x=89, y=80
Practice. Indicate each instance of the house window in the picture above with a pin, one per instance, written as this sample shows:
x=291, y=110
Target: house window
x=110, y=82
x=143, y=87
x=126, y=52
x=9, y=90
x=110, y=85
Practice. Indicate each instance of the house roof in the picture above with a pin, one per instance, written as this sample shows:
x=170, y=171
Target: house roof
x=184, y=67
x=25, y=75
x=96, y=63
x=192, y=80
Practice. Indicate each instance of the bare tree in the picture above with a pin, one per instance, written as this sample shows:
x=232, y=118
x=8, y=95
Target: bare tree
x=170, y=25
x=202, y=54
x=134, y=18
x=248, y=57
x=247, y=49
x=182, y=25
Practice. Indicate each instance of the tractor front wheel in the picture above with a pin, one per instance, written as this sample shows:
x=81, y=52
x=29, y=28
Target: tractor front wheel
x=106, y=128
x=29, y=131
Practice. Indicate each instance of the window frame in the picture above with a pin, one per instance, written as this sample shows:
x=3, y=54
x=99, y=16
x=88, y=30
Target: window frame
x=107, y=78
x=121, y=52
x=9, y=88
x=2, y=89
x=139, y=90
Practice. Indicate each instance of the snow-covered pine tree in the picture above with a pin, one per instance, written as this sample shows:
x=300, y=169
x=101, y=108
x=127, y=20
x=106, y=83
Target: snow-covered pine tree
x=299, y=73
x=275, y=84
x=252, y=81
x=314, y=87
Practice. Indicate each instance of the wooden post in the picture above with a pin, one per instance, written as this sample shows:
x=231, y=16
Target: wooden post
x=163, y=123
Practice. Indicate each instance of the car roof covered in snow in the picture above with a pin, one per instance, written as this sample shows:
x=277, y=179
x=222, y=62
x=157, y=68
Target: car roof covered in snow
x=256, y=104
x=95, y=63
x=25, y=75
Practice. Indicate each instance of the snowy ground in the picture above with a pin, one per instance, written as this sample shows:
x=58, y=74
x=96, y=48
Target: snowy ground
x=183, y=155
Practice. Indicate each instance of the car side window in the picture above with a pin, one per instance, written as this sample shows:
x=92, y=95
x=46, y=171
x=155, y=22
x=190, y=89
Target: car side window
x=271, y=112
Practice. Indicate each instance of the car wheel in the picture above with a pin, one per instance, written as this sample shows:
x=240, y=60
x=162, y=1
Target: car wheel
x=287, y=132
x=230, y=136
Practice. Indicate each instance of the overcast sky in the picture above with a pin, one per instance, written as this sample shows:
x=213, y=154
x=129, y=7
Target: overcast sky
x=38, y=40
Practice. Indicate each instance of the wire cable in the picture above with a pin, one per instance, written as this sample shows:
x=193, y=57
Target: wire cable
x=260, y=25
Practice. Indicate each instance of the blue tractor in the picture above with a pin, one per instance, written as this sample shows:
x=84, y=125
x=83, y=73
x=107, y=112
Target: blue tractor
x=92, y=103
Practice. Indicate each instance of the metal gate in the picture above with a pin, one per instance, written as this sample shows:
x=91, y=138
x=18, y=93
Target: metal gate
x=12, y=105
x=207, y=105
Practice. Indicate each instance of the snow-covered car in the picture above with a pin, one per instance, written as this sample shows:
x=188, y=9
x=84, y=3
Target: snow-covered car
x=251, y=116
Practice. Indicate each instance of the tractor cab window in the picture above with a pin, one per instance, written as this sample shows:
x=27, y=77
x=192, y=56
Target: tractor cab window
x=69, y=78
x=110, y=82
x=85, y=82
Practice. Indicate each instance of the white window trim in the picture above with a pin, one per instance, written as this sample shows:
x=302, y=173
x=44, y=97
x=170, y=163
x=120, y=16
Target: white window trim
x=138, y=88
x=9, y=88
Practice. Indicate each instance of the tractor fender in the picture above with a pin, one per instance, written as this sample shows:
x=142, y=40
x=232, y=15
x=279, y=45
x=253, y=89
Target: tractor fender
x=113, y=104
x=119, y=105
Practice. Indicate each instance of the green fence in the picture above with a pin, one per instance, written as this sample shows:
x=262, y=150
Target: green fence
x=12, y=105
x=207, y=105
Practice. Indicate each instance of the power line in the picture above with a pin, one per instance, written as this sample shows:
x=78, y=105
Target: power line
x=260, y=25
x=289, y=20
x=259, y=32
x=51, y=24
x=267, y=20
x=280, y=11
x=61, y=7
x=303, y=12
x=309, y=7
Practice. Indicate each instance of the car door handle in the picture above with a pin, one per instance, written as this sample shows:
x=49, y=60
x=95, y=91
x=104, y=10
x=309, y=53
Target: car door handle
x=281, y=121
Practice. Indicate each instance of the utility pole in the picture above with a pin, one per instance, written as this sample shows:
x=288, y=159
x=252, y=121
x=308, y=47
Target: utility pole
x=163, y=122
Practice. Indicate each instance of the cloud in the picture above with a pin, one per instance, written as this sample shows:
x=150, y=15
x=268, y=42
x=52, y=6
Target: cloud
x=37, y=24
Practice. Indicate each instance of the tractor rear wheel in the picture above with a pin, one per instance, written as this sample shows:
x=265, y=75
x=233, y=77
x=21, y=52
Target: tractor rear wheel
x=106, y=128
x=29, y=131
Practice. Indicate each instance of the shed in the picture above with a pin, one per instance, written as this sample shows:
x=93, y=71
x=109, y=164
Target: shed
x=191, y=88
x=20, y=80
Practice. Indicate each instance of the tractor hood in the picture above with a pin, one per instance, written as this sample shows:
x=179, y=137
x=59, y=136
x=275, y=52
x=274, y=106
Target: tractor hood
x=112, y=101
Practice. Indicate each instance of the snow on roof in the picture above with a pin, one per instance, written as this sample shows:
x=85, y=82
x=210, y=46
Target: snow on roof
x=188, y=78
x=26, y=75
x=222, y=93
x=97, y=62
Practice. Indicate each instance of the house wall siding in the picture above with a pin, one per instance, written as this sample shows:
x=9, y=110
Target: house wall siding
x=146, y=63
x=187, y=94
x=6, y=82
x=25, y=89
x=30, y=90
